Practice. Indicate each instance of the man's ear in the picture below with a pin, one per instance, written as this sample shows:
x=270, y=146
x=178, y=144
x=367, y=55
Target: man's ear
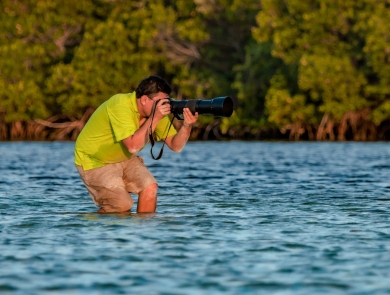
x=144, y=99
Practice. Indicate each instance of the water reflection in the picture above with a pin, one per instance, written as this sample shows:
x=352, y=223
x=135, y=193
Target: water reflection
x=232, y=218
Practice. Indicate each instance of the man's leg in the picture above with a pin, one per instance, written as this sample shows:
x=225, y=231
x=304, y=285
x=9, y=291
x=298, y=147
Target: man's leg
x=107, y=189
x=147, y=199
x=139, y=180
x=115, y=200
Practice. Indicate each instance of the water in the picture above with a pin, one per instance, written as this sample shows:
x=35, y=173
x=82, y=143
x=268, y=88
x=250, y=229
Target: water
x=233, y=218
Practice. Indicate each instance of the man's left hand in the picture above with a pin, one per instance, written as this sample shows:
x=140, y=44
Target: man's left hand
x=189, y=118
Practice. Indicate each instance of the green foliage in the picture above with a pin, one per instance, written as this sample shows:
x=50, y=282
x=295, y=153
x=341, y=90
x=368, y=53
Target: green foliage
x=252, y=82
x=35, y=36
x=341, y=49
x=284, y=62
x=285, y=108
x=333, y=81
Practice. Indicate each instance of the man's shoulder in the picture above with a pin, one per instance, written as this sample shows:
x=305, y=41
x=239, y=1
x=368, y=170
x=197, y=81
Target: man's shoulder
x=124, y=98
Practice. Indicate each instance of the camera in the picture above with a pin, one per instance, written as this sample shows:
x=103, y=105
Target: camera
x=219, y=106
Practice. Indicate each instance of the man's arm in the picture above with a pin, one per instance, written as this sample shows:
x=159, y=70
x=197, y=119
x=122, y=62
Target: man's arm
x=139, y=139
x=176, y=143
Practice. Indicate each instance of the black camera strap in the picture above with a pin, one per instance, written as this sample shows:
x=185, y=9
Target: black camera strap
x=151, y=138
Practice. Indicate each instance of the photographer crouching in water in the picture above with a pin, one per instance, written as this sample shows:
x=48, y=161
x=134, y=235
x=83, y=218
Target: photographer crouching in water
x=107, y=147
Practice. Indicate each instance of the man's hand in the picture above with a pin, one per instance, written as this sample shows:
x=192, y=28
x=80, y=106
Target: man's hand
x=189, y=118
x=163, y=108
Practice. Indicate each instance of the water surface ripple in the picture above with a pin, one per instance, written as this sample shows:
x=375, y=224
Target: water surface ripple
x=233, y=218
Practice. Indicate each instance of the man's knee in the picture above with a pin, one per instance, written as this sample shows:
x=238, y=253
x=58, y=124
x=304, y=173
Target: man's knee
x=150, y=190
x=153, y=186
x=122, y=206
x=125, y=204
x=118, y=201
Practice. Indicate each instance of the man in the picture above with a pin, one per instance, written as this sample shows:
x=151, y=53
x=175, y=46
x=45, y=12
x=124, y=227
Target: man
x=106, y=149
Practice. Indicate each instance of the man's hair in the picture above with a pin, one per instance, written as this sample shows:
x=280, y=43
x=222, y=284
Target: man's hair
x=151, y=86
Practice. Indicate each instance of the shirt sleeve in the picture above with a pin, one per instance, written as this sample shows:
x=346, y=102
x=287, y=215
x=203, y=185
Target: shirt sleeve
x=164, y=129
x=123, y=121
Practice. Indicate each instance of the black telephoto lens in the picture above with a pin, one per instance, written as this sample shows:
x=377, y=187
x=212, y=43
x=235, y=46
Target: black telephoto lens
x=219, y=106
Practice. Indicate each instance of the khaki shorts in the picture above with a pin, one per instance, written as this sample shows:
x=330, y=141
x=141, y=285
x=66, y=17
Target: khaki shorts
x=109, y=186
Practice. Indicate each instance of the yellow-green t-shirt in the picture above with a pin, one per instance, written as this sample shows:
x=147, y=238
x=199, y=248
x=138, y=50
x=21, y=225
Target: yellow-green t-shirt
x=100, y=141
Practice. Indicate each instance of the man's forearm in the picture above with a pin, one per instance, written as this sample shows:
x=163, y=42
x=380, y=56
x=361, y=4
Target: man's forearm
x=181, y=138
x=140, y=138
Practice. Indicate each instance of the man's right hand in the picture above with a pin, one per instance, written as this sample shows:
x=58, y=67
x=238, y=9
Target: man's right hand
x=163, y=108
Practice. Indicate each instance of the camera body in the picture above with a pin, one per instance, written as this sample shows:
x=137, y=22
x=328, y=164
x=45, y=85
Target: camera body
x=219, y=106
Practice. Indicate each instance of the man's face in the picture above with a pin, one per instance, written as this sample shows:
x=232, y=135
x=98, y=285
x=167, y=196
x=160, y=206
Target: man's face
x=150, y=101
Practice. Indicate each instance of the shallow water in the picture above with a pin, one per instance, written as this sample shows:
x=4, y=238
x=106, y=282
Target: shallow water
x=233, y=218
